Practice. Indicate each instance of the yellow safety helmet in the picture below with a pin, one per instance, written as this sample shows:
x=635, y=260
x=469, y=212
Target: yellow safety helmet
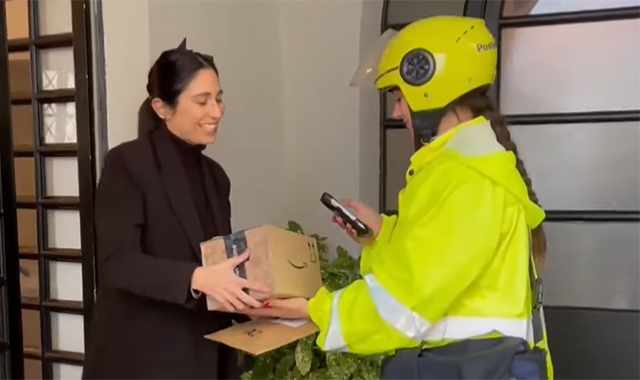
x=433, y=62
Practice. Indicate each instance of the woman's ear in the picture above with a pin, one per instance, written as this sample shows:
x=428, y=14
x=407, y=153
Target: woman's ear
x=160, y=108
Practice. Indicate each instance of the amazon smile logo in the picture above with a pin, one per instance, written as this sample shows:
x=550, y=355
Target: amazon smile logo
x=313, y=257
x=304, y=265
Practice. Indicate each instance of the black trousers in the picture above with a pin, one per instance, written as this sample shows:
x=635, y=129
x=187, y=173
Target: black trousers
x=490, y=359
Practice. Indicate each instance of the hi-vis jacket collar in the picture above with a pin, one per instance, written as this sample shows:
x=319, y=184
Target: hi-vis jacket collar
x=474, y=145
x=468, y=138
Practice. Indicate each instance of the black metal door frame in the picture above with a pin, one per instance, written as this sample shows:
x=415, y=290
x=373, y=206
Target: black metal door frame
x=10, y=305
x=85, y=116
x=82, y=94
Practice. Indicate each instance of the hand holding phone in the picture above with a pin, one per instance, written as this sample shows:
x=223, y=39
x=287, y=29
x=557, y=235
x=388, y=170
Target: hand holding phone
x=361, y=229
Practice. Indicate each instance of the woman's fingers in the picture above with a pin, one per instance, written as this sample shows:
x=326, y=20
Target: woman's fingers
x=233, y=300
x=235, y=261
x=220, y=297
x=279, y=303
x=247, y=299
x=228, y=307
x=350, y=231
x=239, y=299
x=254, y=286
x=337, y=220
x=350, y=203
x=258, y=295
x=264, y=312
x=345, y=226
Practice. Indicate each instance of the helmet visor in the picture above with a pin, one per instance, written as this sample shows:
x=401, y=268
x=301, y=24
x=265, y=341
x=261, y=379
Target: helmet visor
x=367, y=72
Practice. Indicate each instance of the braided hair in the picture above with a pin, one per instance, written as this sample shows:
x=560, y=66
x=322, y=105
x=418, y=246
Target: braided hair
x=481, y=105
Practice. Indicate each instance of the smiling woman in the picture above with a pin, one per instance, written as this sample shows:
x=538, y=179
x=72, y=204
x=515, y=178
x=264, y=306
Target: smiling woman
x=157, y=199
x=190, y=79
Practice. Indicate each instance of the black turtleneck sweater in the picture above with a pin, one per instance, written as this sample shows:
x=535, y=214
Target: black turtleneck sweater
x=191, y=157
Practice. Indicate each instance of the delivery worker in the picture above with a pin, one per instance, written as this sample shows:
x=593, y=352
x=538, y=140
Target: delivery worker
x=449, y=284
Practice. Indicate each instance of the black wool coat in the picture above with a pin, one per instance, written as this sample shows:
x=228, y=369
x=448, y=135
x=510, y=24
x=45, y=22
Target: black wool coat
x=146, y=324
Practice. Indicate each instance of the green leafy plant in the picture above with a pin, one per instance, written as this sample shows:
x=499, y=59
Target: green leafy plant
x=304, y=359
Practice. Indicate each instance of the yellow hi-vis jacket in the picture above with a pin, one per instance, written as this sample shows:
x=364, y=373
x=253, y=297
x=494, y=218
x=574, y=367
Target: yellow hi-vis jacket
x=454, y=263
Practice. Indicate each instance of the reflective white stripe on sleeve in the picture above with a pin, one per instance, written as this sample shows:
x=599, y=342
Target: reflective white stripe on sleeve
x=397, y=315
x=458, y=328
x=417, y=328
x=335, y=340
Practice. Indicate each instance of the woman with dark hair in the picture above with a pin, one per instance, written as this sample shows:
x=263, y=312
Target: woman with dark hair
x=157, y=199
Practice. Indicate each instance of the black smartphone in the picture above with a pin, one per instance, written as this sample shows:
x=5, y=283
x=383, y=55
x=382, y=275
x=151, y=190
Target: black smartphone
x=332, y=204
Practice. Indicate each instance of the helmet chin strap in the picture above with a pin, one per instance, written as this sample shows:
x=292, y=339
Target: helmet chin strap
x=425, y=126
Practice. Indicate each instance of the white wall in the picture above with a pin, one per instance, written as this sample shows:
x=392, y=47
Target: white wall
x=126, y=49
x=320, y=42
x=293, y=127
x=369, y=109
x=247, y=51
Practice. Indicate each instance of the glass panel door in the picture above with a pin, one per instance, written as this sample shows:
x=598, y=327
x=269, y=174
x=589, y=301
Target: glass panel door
x=49, y=153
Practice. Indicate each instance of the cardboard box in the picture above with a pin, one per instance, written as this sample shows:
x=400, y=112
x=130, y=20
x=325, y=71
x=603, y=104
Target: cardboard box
x=287, y=263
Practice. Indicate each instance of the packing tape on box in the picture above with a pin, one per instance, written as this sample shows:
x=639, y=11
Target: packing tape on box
x=235, y=245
